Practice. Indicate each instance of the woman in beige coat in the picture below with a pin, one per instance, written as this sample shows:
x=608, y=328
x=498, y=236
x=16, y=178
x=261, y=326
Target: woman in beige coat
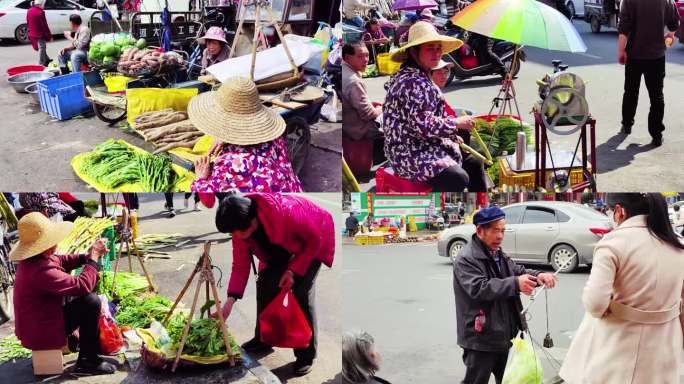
x=632, y=331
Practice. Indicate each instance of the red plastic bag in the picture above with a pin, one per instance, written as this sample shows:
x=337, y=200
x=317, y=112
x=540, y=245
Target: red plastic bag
x=283, y=323
x=111, y=339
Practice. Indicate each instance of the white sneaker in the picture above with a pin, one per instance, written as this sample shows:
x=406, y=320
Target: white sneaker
x=196, y=207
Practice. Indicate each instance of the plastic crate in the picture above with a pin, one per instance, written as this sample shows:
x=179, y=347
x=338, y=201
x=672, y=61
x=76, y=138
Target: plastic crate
x=361, y=239
x=376, y=240
x=387, y=66
x=511, y=178
x=63, y=97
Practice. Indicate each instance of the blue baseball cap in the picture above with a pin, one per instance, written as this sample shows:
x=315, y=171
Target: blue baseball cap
x=488, y=215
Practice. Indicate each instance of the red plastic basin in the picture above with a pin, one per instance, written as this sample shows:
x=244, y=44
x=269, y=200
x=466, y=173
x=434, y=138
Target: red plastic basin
x=24, y=68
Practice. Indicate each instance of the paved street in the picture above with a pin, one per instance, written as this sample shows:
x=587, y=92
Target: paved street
x=36, y=150
x=621, y=160
x=170, y=275
x=403, y=296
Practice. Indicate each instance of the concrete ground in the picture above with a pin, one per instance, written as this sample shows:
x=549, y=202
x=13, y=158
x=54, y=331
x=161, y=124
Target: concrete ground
x=36, y=150
x=410, y=287
x=623, y=161
x=171, y=274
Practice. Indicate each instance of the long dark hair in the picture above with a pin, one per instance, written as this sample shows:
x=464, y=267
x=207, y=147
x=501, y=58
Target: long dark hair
x=654, y=206
x=235, y=212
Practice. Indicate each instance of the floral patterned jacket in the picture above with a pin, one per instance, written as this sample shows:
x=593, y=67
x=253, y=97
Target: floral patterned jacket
x=418, y=138
x=262, y=167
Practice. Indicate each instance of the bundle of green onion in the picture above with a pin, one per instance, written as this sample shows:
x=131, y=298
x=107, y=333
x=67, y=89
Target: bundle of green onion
x=127, y=284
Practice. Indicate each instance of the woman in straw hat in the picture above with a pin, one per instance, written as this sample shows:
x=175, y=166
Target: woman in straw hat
x=217, y=49
x=49, y=303
x=422, y=144
x=251, y=155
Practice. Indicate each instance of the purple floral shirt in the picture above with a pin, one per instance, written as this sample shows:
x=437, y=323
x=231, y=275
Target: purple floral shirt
x=262, y=167
x=418, y=140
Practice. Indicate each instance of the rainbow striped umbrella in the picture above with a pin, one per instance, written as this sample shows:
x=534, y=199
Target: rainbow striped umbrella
x=522, y=22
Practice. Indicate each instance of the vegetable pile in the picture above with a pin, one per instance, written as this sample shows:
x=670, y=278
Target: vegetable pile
x=167, y=129
x=151, y=241
x=7, y=214
x=136, y=61
x=137, y=312
x=114, y=163
x=10, y=349
x=204, y=338
x=501, y=134
x=107, y=49
x=86, y=231
x=127, y=284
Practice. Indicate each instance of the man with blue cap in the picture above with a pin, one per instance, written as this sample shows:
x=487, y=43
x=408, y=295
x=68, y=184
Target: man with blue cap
x=487, y=287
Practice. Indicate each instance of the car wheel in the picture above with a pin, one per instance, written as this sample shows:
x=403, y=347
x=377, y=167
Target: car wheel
x=21, y=34
x=595, y=24
x=455, y=247
x=571, y=8
x=564, y=258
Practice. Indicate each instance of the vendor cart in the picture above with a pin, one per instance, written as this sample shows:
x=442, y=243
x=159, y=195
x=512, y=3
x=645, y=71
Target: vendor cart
x=600, y=13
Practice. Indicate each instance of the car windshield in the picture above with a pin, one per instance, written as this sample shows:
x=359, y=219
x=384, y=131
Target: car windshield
x=589, y=213
x=7, y=3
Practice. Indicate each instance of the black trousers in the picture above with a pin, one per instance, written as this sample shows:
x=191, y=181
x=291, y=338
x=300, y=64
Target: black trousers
x=653, y=72
x=470, y=174
x=481, y=365
x=131, y=200
x=83, y=313
x=168, y=196
x=187, y=196
x=303, y=290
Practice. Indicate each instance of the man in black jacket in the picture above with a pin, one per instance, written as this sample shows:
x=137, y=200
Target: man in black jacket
x=487, y=287
x=641, y=49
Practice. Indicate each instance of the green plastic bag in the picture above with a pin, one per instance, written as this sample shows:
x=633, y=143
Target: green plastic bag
x=523, y=365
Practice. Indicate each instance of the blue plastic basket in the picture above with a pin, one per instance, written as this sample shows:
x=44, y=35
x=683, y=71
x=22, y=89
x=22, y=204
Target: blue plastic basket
x=63, y=97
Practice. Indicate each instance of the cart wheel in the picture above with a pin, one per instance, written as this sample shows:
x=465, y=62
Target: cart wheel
x=109, y=114
x=595, y=24
x=298, y=136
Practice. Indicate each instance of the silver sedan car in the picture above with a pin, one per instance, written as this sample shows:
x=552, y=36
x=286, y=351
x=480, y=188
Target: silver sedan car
x=540, y=232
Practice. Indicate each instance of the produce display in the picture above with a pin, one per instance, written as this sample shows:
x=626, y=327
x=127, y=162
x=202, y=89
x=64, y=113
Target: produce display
x=503, y=138
x=86, y=231
x=204, y=338
x=127, y=284
x=7, y=214
x=167, y=129
x=114, y=163
x=136, y=61
x=108, y=48
x=152, y=241
x=138, y=312
x=11, y=348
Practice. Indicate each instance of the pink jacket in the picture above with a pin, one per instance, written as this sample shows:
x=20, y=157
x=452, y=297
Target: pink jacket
x=292, y=222
x=41, y=284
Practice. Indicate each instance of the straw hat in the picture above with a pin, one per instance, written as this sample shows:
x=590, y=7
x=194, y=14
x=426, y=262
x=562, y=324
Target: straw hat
x=234, y=114
x=421, y=33
x=37, y=234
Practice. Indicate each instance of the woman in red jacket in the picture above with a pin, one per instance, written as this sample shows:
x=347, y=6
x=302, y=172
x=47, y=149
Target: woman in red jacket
x=291, y=237
x=38, y=31
x=49, y=303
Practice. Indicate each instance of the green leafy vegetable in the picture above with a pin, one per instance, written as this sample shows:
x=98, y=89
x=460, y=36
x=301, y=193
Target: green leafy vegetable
x=11, y=348
x=127, y=284
x=204, y=338
x=139, y=312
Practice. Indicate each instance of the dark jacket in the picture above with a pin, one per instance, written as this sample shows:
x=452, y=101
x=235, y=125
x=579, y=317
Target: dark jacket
x=479, y=286
x=40, y=287
x=643, y=22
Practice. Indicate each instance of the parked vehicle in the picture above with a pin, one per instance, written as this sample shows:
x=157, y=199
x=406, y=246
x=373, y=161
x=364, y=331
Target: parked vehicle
x=57, y=12
x=466, y=64
x=601, y=13
x=576, y=8
x=540, y=232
